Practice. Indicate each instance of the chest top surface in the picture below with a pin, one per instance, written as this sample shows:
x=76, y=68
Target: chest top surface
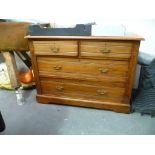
x=129, y=38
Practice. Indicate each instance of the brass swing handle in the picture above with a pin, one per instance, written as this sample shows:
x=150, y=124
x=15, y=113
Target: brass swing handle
x=55, y=49
x=101, y=92
x=60, y=88
x=57, y=67
x=105, y=50
x=103, y=70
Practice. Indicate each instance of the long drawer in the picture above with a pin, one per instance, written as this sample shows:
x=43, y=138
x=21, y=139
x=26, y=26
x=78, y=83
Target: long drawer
x=82, y=67
x=100, y=50
x=80, y=89
x=62, y=48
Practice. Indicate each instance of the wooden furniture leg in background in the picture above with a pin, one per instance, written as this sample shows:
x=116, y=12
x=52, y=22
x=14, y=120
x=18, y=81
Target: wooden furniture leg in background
x=15, y=31
x=12, y=69
x=13, y=75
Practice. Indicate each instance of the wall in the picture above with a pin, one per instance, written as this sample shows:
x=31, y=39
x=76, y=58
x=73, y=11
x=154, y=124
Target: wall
x=146, y=29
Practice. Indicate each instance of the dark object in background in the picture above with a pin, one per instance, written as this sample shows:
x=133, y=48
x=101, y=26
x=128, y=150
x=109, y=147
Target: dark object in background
x=145, y=100
x=78, y=30
x=25, y=58
x=2, y=20
x=148, y=75
x=2, y=124
x=144, y=103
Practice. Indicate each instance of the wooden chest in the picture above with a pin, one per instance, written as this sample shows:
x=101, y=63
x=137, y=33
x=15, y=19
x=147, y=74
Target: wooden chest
x=95, y=72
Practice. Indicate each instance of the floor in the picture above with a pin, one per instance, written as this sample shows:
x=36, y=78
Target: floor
x=35, y=119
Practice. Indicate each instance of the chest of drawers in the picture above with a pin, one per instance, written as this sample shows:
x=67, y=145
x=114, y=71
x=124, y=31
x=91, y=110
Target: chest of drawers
x=96, y=72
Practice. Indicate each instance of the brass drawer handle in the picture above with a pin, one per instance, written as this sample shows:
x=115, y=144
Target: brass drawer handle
x=57, y=67
x=101, y=92
x=60, y=88
x=105, y=50
x=102, y=70
x=55, y=50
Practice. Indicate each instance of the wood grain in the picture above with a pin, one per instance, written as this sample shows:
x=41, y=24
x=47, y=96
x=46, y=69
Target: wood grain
x=35, y=67
x=94, y=77
x=107, y=38
x=117, y=107
x=12, y=69
x=132, y=68
x=49, y=65
x=12, y=36
x=68, y=48
x=71, y=88
x=105, y=49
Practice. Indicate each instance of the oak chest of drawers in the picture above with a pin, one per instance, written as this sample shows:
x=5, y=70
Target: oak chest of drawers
x=95, y=72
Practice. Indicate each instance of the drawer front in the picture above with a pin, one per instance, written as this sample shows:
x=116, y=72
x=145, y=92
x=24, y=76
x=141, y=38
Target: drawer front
x=80, y=89
x=105, y=49
x=66, y=48
x=82, y=67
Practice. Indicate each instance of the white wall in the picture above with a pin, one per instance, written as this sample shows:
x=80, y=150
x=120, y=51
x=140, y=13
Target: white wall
x=146, y=29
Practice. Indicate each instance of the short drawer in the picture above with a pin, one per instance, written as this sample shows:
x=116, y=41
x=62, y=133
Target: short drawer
x=120, y=50
x=66, y=48
x=82, y=67
x=79, y=89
